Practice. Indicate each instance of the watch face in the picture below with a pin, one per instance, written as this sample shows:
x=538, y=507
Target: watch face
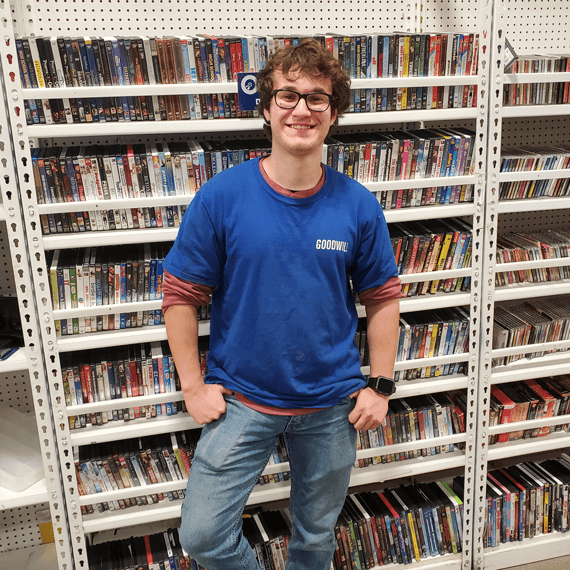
x=384, y=386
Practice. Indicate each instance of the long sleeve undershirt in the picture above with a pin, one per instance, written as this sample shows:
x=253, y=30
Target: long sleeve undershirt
x=176, y=291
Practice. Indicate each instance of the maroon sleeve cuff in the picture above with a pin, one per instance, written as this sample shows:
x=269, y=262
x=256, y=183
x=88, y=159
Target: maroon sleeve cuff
x=176, y=291
x=392, y=289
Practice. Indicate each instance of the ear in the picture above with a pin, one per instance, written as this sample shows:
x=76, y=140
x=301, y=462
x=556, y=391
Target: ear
x=266, y=115
x=333, y=117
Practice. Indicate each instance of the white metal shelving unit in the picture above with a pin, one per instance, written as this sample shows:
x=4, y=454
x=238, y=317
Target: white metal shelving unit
x=23, y=383
x=128, y=17
x=530, y=126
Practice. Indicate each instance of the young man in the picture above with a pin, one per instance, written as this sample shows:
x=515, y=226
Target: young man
x=275, y=242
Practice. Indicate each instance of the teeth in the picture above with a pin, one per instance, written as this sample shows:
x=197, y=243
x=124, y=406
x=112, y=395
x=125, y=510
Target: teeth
x=301, y=127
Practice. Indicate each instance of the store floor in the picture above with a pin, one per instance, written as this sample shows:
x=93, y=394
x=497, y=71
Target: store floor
x=553, y=564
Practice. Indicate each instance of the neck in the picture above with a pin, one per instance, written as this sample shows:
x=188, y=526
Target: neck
x=293, y=172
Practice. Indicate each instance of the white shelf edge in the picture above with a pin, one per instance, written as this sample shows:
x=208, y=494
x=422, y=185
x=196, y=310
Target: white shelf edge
x=437, y=301
x=519, y=78
x=420, y=183
x=429, y=212
x=112, y=237
x=236, y=125
x=532, y=204
x=549, y=365
x=530, y=348
x=527, y=551
x=530, y=424
x=534, y=264
x=533, y=175
x=518, y=448
x=532, y=290
x=17, y=362
x=33, y=495
x=134, y=428
x=120, y=337
x=509, y=112
x=124, y=203
x=229, y=87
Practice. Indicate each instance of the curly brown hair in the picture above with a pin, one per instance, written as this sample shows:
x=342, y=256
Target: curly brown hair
x=308, y=57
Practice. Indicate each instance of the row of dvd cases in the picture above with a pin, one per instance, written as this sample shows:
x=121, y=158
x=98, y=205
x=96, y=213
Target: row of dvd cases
x=71, y=510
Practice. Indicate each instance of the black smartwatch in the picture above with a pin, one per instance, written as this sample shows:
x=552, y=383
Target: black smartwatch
x=382, y=385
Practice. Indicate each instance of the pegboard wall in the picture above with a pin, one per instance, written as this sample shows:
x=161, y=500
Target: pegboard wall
x=537, y=26
x=19, y=528
x=15, y=392
x=148, y=17
x=7, y=284
x=533, y=221
x=536, y=131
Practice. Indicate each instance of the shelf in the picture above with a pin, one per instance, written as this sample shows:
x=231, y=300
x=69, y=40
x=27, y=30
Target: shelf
x=556, y=440
x=533, y=175
x=141, y=427
x=527, y=551
x=33, y=495
x=125, y=203
x=520, y=78
x=433, y=275
x=429, y=212
x=70, y=343
x=228, y=87
x=141, y=235
x=235, y=125
x=261, y=493
x=524, y=369
x=529, y=348
x=121, y=403
x=437, y=301
x=112, y=237
x=2, y=213
x=531, y=424
x=433, y=361
x=533, y=204
x=532, y=290
x=535, y=111
x=17, y=362
x=420, y=183
x=420, y=386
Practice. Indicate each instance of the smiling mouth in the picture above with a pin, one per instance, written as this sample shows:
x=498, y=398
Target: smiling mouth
x=302, y=127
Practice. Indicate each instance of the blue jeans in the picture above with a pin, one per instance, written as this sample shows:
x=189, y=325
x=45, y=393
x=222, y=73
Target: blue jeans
x=231, y=454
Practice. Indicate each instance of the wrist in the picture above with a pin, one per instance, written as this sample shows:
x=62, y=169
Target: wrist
x=382, y=385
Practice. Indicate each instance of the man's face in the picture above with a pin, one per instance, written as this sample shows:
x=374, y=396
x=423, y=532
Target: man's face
x=299, y=131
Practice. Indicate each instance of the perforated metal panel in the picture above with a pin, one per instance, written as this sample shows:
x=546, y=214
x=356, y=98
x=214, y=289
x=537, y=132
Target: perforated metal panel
x=7, y=284
x=15, y=391
x=535, y=131
x=534, y=26
x=148, y=17
x=19, y=528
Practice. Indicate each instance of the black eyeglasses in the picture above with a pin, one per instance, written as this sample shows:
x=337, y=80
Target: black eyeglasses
x=317, y=102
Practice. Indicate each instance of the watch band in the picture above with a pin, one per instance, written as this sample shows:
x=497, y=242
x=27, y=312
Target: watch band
x=382, y=385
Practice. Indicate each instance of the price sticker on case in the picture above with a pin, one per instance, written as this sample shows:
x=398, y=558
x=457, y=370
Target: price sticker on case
x=247, y=91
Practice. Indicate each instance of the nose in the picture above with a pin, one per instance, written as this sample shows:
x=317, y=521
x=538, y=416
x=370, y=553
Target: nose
x=301, y=108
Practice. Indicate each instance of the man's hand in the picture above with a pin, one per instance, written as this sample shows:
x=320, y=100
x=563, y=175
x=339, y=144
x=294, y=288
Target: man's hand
x=206, y=402
x=370, y=409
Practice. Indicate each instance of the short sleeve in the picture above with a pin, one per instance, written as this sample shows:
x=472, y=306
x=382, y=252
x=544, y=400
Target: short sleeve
x=374, y=262
x=197, y=255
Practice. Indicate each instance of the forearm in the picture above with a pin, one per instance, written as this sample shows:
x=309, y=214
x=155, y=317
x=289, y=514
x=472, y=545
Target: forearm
x=182, y=331
x=382, y=335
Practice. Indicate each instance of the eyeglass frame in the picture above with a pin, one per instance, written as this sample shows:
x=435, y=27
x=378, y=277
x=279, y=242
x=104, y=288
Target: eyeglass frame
x=302, y=96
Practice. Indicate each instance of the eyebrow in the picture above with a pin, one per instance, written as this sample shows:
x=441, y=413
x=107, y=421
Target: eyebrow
x=317, y=90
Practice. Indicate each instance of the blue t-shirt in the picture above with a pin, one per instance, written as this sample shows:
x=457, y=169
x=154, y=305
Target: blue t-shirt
x=283, y=317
